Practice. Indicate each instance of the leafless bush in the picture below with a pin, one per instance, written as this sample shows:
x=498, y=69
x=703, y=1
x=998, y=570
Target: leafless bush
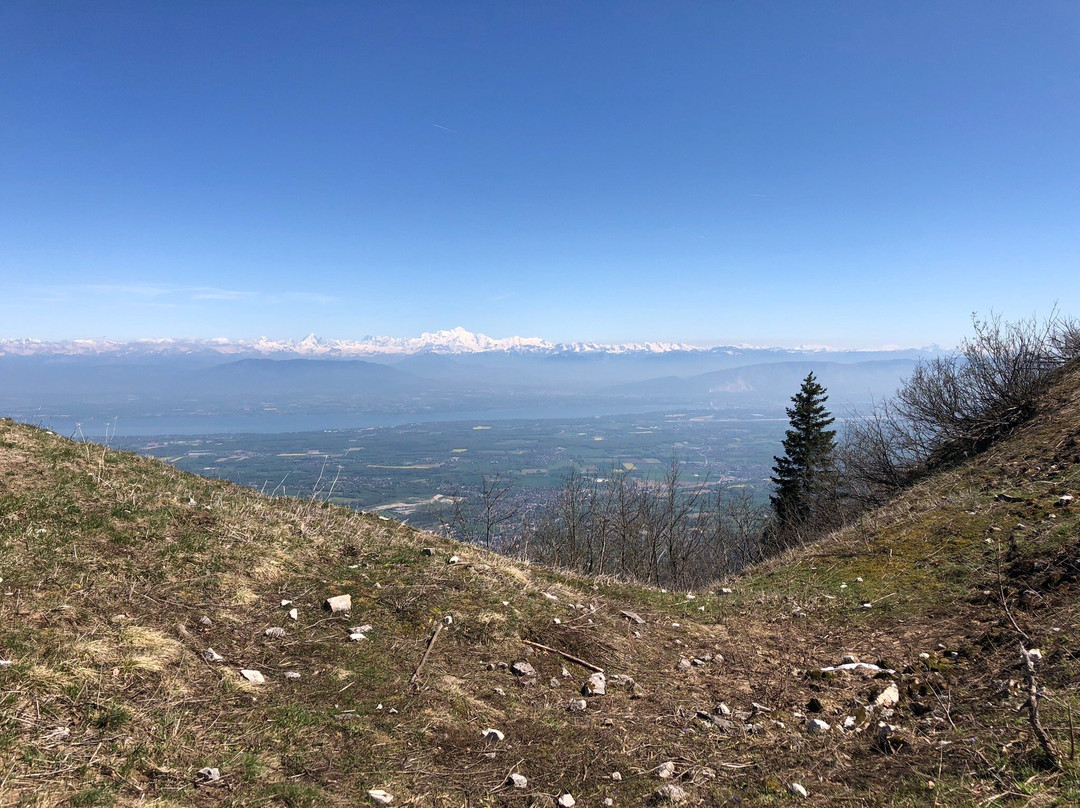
x=956, y=406
x=665, y=533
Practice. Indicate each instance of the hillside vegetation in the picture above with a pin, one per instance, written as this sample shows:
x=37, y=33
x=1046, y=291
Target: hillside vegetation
x=119, y=573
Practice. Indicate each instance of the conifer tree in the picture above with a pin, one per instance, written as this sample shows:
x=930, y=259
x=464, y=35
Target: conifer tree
x=805, y=470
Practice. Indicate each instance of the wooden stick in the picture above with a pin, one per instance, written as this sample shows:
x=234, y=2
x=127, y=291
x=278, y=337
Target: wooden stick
x=430, y=645
x=1033, y=708
x=565, y=656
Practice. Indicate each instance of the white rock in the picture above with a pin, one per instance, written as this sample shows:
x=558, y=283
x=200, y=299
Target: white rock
x=357, y=636
x=210, y=655
x=723, y=709
x=797, y=789
x=888, y=697
x=595, y=685
x=292, y=675
x=293, y=614
x=616, y=776
x=818, y=725
x=849, y=722
x=518, y=780
x=285, y=603
x=608, y=801
x=684, y=665
x=208, y=774
x=377, y=794
x=255, y=677
x=364, y=629
x=493, y=735
x=448, y=620
x=338, y=603
x=566, y=801
x=275, y=632
x=205, y=621
x=665, y=771
x=726, y=591
x=453, y=560
x=522, y=669
x=671, y=794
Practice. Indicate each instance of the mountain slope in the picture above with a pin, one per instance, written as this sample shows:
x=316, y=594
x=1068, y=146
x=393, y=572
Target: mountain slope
x=111, y=561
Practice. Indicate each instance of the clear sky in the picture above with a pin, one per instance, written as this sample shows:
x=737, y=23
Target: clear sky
x=847, y=173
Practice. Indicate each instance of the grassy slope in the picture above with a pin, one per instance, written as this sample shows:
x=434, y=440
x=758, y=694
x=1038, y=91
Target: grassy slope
x=109, y=561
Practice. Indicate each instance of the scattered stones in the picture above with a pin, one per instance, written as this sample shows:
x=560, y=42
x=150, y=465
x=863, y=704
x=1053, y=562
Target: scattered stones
x=208, y=775
x=517, y=780
x=522, y=669
x=633, y=617
x=493, y=735
x=566, y=801
x=669, y=794
x=889, y=697
x=338, y=603
x=797, y=789
x=380, y=796
x=275, y=633
x=595, y=685
x=255, y=677
x=684, y=665
x=817, y=725
x=665, y=771
x=292, y=675
x=210, y=655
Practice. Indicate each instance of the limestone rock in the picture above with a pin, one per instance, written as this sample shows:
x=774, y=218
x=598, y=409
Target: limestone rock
x=797, y=789
x=888, y=697
x=380, y=796
x=818, y=725
x=255, y=677
x=338, y=603
x=493, y=735
x=522, y=669
x=517, y=780
x=208, y=774
x=665, y=771
x=292, y=675
x=578, y=705
x=210, y=655
x=595, y=685
x=566, y=801
x=669, y=794
x=616, y=776
x=633, y=617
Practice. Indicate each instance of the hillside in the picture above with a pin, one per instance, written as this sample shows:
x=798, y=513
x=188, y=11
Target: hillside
x=120, y=572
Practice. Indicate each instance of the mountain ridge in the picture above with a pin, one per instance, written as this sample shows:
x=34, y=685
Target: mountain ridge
x=456, y=341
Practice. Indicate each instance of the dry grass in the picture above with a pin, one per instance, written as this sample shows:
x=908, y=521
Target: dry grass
x=111, y=561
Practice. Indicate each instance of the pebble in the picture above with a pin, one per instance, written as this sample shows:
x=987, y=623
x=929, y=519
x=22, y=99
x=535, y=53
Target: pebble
x=669, y=793
x=522, y=669
x=566, y=801
x=616, y=776
x=255, y=677
x=377, y=794
x=518, y=780
x=665, y=771
x=276, y=632
x=797, y=789
x=578, y=705
x=210, y=655
x=595, y=685
x=208, y=774
x=493, y=735
x=292, y=675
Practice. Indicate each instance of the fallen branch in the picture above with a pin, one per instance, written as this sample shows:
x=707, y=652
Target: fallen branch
x=427, y=652
x=1045, y=741
x=566, y=656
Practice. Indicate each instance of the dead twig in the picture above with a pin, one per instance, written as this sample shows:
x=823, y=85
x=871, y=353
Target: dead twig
x=1045, y=740
x=566, y=656
x=431, y=644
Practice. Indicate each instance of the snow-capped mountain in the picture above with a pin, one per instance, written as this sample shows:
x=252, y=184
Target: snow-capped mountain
x=455, y=341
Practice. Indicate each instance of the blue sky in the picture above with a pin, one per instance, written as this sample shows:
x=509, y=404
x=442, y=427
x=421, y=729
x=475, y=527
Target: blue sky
x=844, y=173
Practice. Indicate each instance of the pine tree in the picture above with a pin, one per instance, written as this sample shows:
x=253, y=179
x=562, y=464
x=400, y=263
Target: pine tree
x=803, y=473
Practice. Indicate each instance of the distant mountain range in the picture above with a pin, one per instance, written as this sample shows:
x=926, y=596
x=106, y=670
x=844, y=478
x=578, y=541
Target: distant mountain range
x=453, y=342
